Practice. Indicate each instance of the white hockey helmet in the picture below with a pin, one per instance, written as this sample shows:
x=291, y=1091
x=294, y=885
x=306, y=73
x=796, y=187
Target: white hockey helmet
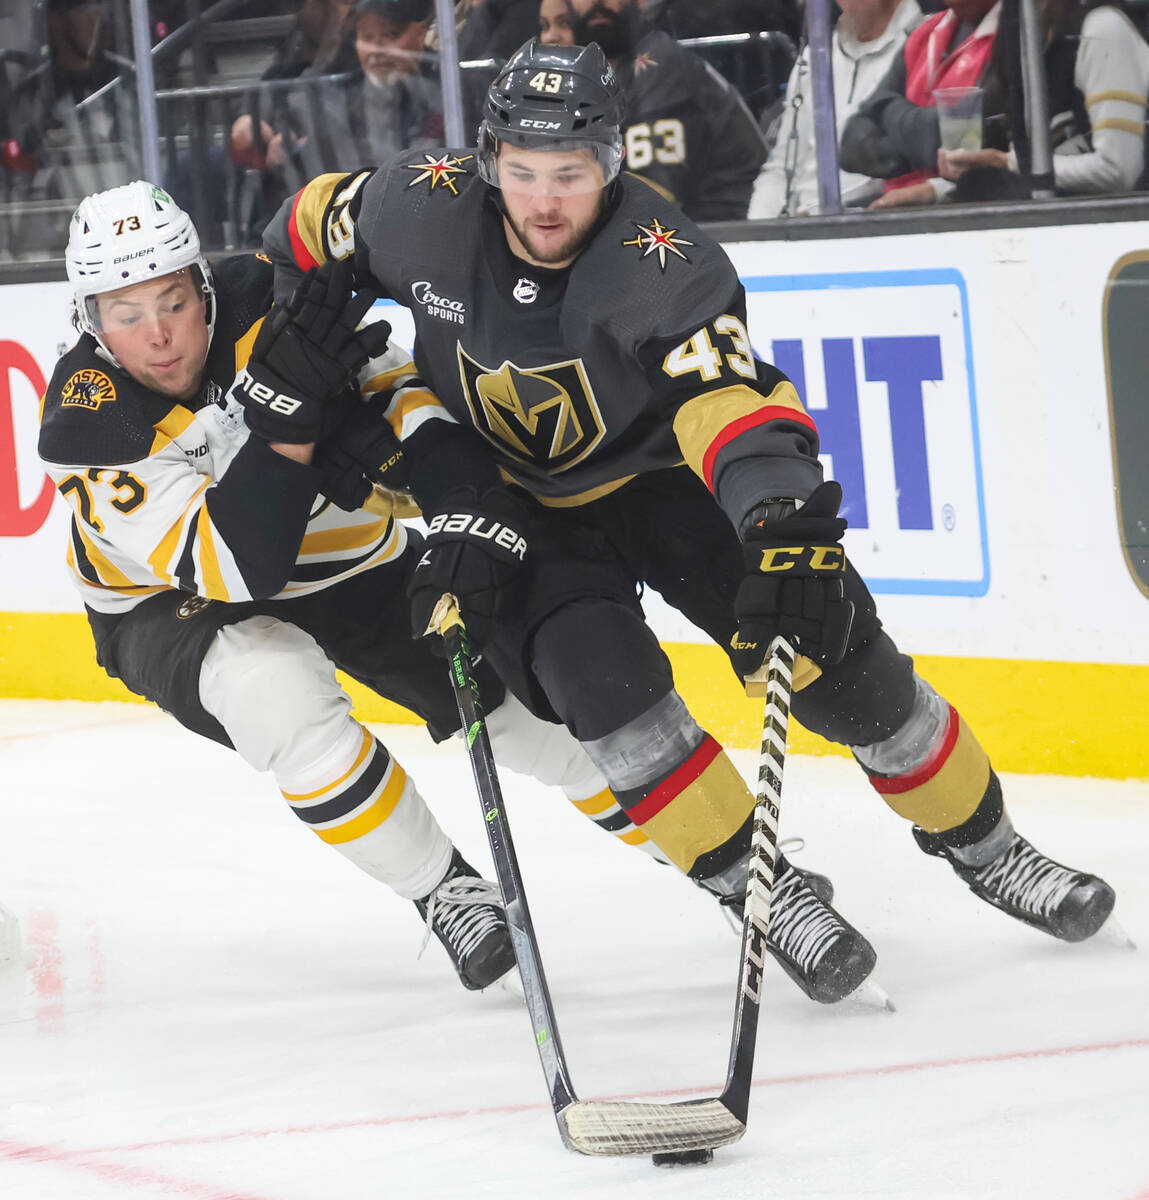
x=124, y=236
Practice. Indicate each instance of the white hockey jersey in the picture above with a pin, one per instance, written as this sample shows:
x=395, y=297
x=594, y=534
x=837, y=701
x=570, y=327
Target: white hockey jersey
x=170, y=495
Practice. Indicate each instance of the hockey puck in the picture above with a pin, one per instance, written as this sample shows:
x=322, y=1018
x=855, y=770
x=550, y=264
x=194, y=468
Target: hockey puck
x=683, y=1158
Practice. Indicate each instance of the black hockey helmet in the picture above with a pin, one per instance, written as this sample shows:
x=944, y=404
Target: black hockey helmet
x=554, y=98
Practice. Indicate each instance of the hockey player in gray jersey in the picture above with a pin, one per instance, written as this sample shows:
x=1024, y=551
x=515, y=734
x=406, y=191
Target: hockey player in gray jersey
x=687, y=130
x=221, y=579
x=595, y=339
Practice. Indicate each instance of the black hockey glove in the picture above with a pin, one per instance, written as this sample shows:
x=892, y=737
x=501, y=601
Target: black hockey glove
x=360, y=451
x=307, y=352
x=794, y=583
x=475, y=549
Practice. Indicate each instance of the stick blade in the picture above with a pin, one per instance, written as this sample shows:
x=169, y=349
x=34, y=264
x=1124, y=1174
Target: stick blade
x=609, y=1127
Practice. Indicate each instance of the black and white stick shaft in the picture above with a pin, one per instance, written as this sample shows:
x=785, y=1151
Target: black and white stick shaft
x=610, y=1127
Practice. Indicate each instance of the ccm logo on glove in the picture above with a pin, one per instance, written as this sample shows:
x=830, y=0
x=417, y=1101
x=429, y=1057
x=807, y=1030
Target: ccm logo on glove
x=813, y=558
x=480, y=527
x=268, y=397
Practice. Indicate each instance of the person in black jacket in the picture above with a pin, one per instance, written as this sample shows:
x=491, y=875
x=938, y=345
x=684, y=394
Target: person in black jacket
x=688, y=132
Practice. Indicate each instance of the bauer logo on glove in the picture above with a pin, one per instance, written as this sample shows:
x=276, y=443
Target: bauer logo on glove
x=475, y=525
x=260, y=393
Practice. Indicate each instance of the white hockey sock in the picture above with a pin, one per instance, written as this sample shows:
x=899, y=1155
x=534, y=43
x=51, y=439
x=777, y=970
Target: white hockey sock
x=549, y=753
x=275, y=692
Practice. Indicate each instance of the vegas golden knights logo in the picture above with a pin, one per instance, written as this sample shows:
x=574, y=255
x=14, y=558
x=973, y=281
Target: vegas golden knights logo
x=88, y=388
x=545, y=415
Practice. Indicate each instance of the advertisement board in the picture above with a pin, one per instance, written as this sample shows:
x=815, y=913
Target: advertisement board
x=978, y=395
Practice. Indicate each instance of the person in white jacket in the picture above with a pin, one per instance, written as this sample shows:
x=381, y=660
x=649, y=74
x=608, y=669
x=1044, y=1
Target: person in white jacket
x=1097, y=81
x=867, y=37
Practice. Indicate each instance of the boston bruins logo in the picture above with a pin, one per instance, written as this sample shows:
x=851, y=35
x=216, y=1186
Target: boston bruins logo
x=88, y=388
x=545, y=415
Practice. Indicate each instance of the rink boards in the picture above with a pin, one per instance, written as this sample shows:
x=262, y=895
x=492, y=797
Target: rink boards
x=980, y=395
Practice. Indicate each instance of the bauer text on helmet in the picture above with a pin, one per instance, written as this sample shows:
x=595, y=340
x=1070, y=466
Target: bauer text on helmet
x=124, y=236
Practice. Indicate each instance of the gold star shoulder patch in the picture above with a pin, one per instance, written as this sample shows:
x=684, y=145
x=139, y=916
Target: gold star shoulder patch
x=656, y=239
x=88, y=389
x=439, y=172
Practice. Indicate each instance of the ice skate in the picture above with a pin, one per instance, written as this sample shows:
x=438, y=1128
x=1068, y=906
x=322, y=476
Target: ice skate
x=820, y=951
x=1022, y=882
x=465, y=912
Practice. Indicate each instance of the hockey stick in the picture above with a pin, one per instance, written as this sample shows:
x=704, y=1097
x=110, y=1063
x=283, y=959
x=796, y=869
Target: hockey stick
x=614, y=1127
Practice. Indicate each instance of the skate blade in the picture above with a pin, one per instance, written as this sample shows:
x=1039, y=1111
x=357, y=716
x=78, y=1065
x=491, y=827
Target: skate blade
x=870, y=994
x=1112, y=933
x=510, y=984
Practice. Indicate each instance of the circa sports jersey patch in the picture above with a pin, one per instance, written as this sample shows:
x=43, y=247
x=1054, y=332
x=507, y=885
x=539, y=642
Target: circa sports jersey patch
x=444, y=307
x=88, y=388
x=440, y=172
x=546, y=415
x=654, y=239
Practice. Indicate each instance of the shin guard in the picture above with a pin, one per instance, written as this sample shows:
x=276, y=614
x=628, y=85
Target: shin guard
x=676, y=785
x=932, y=770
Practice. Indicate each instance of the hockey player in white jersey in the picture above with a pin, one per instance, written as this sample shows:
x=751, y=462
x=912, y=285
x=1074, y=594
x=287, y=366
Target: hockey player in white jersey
x=197, y=444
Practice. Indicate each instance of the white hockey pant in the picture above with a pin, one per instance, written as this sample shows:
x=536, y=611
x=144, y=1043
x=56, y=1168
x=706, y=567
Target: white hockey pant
x=274, y=691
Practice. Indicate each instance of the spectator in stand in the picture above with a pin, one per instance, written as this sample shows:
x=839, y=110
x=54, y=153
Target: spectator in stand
x=321, y=43
x=391, y=102
x=59, y=135
x=1097, y=79
x=688, y=132
x=866, y=39
x=894, y=135
x=43, y=104
x=556, y=23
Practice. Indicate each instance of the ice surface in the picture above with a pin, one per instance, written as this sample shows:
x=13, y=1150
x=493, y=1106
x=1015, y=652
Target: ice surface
x=213, y=1004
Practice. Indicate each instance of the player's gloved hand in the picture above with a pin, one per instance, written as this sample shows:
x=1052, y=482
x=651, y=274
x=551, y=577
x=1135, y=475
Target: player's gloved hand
x=794, y=585
x=361, y=450
x=306, y=353
x=475, y=549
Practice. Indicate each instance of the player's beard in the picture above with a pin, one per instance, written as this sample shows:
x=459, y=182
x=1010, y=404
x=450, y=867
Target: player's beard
x=617, y=33
x=569, y=248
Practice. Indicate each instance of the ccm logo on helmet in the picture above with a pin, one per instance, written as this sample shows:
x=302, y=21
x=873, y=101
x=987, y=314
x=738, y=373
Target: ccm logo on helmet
x=527, y=123
x=268, y=397
x=480, y=527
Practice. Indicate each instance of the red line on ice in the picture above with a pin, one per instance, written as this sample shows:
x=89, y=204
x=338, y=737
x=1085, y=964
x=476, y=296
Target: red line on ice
x=87, y=1162
x=515, y=1109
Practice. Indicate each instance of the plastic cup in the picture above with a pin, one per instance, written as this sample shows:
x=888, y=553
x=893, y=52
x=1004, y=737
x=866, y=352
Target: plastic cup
x=959, y=117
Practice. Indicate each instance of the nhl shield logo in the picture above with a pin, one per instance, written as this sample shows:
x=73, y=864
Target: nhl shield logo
x=88, y=389
x=547, y=416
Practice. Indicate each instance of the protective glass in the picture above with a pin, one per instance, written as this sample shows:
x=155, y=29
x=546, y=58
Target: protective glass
x=135, y=310
x=566, y=167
